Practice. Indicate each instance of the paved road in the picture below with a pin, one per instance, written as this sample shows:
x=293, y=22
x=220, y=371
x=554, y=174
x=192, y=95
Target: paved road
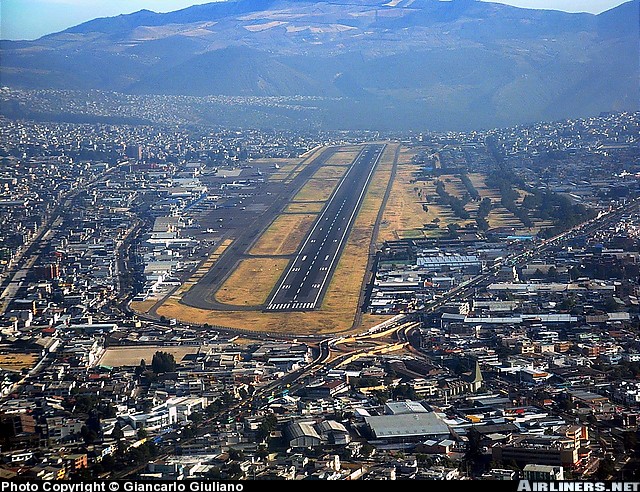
x=303, y=285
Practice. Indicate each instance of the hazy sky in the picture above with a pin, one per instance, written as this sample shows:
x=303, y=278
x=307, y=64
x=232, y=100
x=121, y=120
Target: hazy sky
x=30, y=19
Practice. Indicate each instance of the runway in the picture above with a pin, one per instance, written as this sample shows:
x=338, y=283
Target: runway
x=245, y=232
x=302, y=286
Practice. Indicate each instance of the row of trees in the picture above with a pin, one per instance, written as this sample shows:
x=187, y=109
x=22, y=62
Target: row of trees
x=471, y=189
x=483, y=212
x=564, y=213
x=543, y=204
x=455, y=203
x=508, y=195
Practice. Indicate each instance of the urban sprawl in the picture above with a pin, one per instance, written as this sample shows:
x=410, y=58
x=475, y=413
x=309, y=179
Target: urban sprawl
x=505, y=341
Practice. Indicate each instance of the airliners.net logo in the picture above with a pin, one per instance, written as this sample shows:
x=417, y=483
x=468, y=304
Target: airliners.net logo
x=566, y=486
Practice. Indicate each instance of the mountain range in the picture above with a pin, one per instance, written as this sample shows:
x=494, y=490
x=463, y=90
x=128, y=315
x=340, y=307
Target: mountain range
x=390, y=64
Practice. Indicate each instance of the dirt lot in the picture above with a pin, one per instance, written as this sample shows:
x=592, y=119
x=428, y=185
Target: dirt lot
x=17, y=362
x=131, y=356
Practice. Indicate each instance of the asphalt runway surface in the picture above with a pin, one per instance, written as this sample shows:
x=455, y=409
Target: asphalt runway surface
x=245, y=232
x=306, y=278
x=304, y=283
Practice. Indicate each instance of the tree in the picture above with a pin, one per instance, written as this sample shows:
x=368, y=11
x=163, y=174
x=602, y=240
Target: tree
x=364, y=381
x=267, y=425
x=89, y=435
x=606, y=469
x=234, y=471
x=141, y=369
x=567, y=405
x=263, y=452
x=482, y=223
x=214, y=473
x=610, y=305
x=380, y=396
x=163, y=362
x=196, y=418
x=567, y=303
x=473, y=445
x=404, y=392
x=484, y=208
x=367, y=450
x=117, y=433
x=146, y=405
x=630, y=440
x=93, y=423
x=188, y=432
x=236, y=454
x=108, y=462
x=85, y=403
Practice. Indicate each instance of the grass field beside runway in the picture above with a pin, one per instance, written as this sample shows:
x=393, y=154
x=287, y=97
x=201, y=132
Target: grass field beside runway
x=304, y=207
x=344, y=157
x=251, y=281
x=284, y=235
x=316, y=190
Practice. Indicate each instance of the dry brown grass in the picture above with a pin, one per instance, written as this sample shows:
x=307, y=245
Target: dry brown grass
x=143, y=306
x=244, y=341
x=540, y=225
x=284, y=235
x=330, y=172
x=17, y=362
x=279, y=176
x=344, y=157
x=341, y=301
x=404, y=216
x=251, y=281
x=371, y=320
x=256, y=321
x=316, y=190
x=478, y=181
x=442, y=212
x=403, y=212
x=453, y=185
x=501, y=217
x=305, y=207
x=131, y=356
